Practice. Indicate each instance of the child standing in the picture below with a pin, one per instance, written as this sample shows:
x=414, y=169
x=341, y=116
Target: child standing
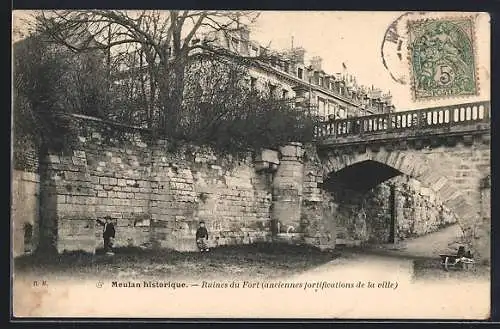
x=108, y=233
x=202, y=237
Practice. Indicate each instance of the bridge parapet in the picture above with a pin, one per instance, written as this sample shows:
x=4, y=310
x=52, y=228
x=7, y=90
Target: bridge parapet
x=457, y=119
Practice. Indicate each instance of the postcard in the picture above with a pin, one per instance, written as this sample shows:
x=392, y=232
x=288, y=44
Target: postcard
x=250, y=164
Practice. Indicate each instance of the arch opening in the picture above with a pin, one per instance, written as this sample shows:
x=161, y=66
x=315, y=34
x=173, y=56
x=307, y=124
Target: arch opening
x=361, y=176
x=379, y=204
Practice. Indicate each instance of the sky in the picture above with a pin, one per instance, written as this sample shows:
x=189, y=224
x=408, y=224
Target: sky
x=355, y=39
x=347, y=37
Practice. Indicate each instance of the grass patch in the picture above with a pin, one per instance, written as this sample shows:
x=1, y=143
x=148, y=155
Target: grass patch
x=257, y=260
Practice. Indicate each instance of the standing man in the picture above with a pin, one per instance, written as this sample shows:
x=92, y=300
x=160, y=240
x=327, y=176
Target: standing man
x=202, y=237
x=108, y=233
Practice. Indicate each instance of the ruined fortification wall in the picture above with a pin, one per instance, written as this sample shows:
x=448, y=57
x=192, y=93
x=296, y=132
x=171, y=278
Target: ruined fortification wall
x=155, y=192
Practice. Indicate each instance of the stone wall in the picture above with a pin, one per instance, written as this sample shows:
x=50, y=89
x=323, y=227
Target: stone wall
x=24, y=211
x=366, y=217
x=196, y=184
x=156, y=193
x=319, y=211
x=287, y=188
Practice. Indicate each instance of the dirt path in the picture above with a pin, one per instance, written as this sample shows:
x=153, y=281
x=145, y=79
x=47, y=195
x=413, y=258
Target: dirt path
x=434, y=243
x=428, y=246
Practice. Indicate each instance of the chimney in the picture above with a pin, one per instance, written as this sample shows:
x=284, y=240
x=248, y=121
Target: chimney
x=245, y=40
x=316, y=63
x=297, y=55
x=245, y=33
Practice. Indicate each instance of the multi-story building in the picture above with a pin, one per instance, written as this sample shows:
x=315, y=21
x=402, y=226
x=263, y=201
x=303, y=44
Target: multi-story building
x=285, y=74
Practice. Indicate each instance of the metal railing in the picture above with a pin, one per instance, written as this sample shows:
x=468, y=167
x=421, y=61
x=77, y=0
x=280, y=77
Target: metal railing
x=437, y=117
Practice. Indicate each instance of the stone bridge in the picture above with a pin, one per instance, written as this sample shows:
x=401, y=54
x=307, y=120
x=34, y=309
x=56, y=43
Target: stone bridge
x=445, y=148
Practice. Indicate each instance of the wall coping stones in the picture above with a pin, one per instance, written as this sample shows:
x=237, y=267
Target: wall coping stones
x=292, y=150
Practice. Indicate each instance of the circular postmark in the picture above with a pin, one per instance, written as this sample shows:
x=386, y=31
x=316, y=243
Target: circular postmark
x=392, y=51
x=394, y=48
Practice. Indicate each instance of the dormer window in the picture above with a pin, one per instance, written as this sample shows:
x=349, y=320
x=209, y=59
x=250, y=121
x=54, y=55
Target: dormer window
x=255, y=51
x=236, y=43
x=300, y=73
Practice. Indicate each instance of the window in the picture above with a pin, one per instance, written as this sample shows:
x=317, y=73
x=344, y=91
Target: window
x=321, y=106
x=300, y=73
x=342, y=113
x=320, y=81
x=253, y=83
x=272, y=90
x=329, y=108
x=284, y=93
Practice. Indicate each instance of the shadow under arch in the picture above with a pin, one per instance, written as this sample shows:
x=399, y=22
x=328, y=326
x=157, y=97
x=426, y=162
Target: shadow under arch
x=354, y=187
x=429, y=172
x=360, y=176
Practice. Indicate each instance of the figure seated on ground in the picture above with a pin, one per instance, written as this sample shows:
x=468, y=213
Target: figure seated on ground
x=463, y=255
x=463, y=258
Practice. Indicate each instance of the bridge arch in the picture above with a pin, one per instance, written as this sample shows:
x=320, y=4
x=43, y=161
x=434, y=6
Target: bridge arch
x=445, y=148
x=445, y=173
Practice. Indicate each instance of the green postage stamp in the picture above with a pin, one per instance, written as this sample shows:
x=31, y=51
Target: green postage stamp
x=442, y=58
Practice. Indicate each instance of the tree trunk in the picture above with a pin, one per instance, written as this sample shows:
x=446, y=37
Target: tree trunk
x=171, y=97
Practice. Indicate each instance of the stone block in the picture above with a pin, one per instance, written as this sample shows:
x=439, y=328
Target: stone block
x=79, y=154
x=96, y=135
x=294, y=150
x=116, y=160
x=54, y=159
x=121, y=182
x=79, y=161
x=269, y=156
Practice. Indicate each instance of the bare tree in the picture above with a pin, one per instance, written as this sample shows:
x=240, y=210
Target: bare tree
x=164, y=40
x=215, y=89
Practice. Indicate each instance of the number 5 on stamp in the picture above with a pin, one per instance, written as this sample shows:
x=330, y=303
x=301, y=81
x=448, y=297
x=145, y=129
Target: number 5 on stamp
x=442, y=58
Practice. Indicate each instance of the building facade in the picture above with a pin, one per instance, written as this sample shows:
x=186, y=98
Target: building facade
x=286, y=74
x=281, y=74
